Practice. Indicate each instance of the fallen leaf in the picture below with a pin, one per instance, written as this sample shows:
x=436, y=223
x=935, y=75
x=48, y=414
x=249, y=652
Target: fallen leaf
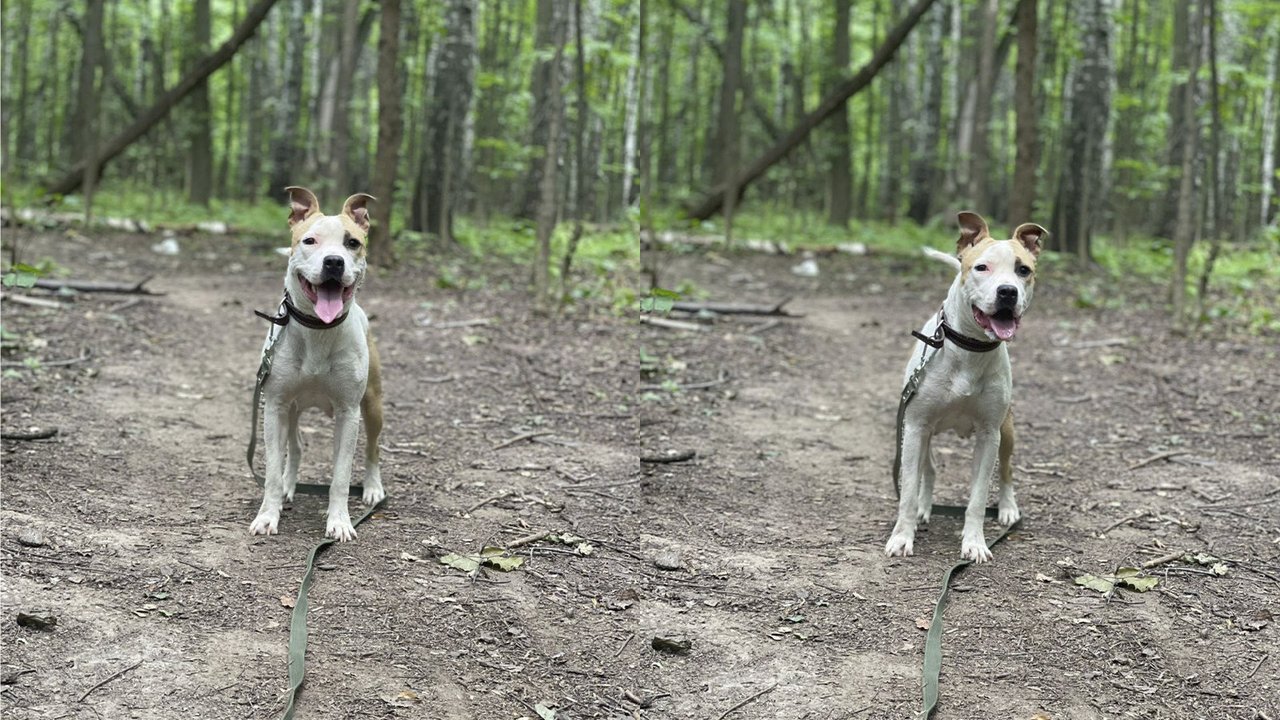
x=505, y=564
x=674, y=644
x=922, y=623
x=795, y=618
x=1093, y=582
x=461, y=562
x=544, y=712
x=38, y=619
x=409, y=556
x=585, y=549
x=1220, y=569
x=287, y=601
x=1041, y=577
x=1140, y=584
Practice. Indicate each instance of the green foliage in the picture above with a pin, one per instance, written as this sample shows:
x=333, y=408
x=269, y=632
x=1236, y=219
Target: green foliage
x=21, y=275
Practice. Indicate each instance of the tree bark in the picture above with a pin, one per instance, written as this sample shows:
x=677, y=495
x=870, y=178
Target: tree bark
x=161, y=108
x=286, y=152
x=631, y=111
x=200, y=139
x=381, y=248
x=527, y=206
x=344, y=85
x=1023, y=195
x=443, y=174
x=841, y=160
x=86, y=110
x=1176, y=134
x=980, y=144
x=1269, y=134
x=546, y=217
x=1080, y=201
x=924, y=164
x=1184, y=231
x=727, y=128
x=714, y=199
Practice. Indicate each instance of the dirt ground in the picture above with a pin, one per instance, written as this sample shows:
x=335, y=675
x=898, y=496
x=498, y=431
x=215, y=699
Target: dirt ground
x=142, y=504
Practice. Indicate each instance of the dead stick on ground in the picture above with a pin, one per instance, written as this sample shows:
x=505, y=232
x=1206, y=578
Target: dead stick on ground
x=1162, y=560
x=1157, y=457
x=726, y=713
x=671, y=324
x=527, y=539
x=521, y=436
x=32, y=301
x=1129, y=519
x=682, y=456
x=625, y=643
x=124, y=305
x=486, y=501
x=97, y=286
x=113, y=677
x=33, y=435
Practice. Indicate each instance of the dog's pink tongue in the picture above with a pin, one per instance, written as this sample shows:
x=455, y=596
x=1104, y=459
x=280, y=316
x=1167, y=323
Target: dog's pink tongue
x=328, y=301
x=1004, y=329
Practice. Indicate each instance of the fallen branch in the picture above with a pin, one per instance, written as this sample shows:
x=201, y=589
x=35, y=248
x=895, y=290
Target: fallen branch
x=84, y=355
x=765, y=691
x=724, y=308
x=669, y=457
x=486, y=501
x=97, y=286
x=460, y=323
x=1162, y=560
x=32, y=301
x=1129, y=519
x=671, y=324
x=113, y=677
x=30, y=435
x=1157, y=457
x=521, y=436
x=124, y=305
x=1107, y=342
x=724, y=377
x=527, y=539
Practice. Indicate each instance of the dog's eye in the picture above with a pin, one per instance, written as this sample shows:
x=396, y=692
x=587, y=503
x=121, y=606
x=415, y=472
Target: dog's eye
x=1024, y=271
x=353, y=243
x=980, y=268
x=308, y=241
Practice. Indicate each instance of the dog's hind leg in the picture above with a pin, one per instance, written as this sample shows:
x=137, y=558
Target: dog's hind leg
x=925, y=507
x=1008, y=504
x=371, y=411
x=274, y=429
x=294, y=456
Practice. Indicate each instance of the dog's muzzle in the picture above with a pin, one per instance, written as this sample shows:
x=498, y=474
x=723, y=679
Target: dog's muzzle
x=332, y=269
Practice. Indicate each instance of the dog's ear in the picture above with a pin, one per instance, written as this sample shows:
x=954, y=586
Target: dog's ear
x=1030, y=235
x=302, y=204
x=355, y=208
x=972, y=229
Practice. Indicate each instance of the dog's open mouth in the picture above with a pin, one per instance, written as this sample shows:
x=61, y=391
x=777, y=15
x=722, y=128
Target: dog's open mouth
x=1002, y=323
x=328, y=297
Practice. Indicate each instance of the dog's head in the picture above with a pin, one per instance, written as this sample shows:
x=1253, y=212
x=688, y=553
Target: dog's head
x=327, y=259
x=997, y=277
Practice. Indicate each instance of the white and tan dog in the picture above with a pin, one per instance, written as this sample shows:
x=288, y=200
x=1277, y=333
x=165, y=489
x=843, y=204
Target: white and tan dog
x=324, y=358
x=968, y=387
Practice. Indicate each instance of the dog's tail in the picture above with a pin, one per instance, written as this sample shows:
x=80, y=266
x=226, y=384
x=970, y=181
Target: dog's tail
x=947, y=258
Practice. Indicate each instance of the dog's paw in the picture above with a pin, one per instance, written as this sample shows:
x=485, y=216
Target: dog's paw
x=340, y=529
x=923, y=514
x=1009, y=513
x=265, y=524
x=373, y=494
x=975, y=549
x=899, y=545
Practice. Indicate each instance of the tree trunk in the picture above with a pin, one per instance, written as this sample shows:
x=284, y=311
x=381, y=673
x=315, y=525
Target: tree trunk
x=24, y=135
x=868, y=131
x=161, y=108
x=1023, y=196
x=86, y=110
x=250, y=166
x=710, y=204
x=1176, y=132
x=841, y=173
x=381, y=248
x=285, y=143
x=631, y=110
x=727, y=129
x=444, y=176
x=1269, y=134
x=546, y=216
x=1080, y=202
x=1184, y=231
x=200, y=139
x=980, y=144
x=527, y=206
x=924, y=164
x=344, y=84
x=667, y=144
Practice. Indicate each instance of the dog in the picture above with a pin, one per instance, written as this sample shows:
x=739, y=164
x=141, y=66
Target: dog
x=968, y=387
x=325, y=358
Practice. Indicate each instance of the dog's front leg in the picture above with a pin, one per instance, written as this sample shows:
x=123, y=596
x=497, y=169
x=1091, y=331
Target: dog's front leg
x=346, y=427
x=973, y=546
x=914, y=446
x=274, y=428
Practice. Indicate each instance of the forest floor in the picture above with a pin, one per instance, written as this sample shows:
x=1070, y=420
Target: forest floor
x=167, y=607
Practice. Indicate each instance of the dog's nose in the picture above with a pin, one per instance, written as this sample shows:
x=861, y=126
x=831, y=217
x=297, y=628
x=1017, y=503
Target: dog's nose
x=333, y=265
x=1007, y=294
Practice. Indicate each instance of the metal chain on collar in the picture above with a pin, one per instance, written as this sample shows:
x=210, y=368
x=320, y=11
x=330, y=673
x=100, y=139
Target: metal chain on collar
x=933, y=638
x=298, y=621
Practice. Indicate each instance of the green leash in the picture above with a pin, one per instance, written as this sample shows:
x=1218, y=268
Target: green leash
x=933, y=639
x=298, y=622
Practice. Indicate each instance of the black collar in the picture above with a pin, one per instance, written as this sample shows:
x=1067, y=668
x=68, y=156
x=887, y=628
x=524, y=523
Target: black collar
x=290, y=311
x=963, y=341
